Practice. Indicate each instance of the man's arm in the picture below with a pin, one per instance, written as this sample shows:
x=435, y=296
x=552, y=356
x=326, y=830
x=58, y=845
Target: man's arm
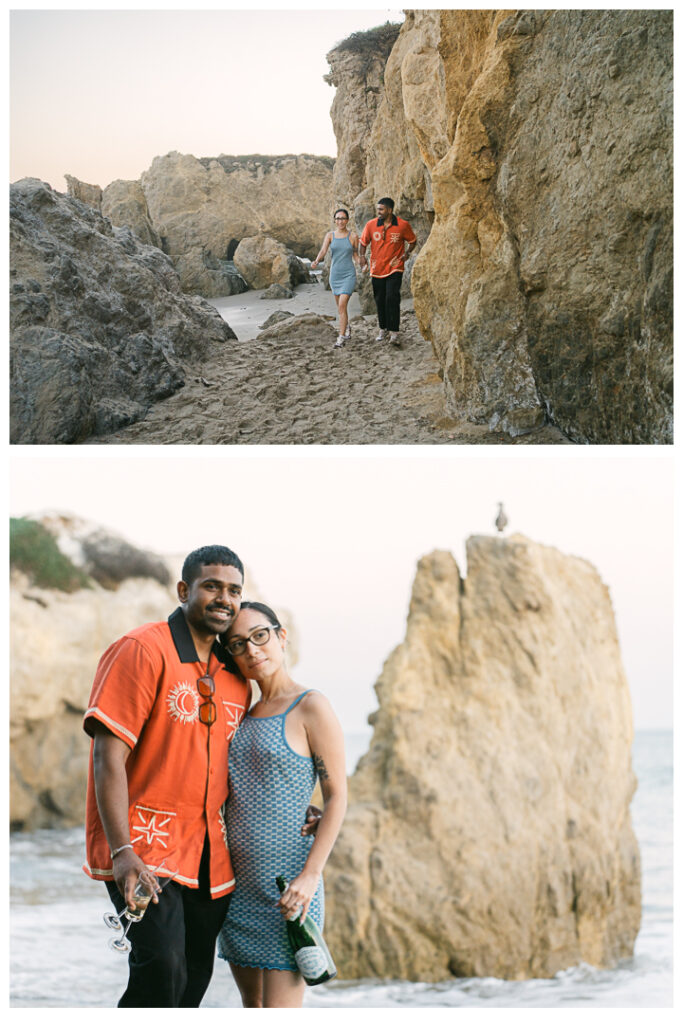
x=111, y=790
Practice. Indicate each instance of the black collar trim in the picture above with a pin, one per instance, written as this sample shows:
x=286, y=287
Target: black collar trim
x=184, y=644
x=394, y=221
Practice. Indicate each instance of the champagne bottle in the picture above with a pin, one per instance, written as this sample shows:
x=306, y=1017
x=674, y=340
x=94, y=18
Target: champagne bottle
x=312, y=956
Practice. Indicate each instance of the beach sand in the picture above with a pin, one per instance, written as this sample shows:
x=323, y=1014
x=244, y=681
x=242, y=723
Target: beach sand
x=289, y=385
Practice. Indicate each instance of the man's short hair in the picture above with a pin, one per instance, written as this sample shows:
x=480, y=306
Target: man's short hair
x=386, y=202
x=211, y=554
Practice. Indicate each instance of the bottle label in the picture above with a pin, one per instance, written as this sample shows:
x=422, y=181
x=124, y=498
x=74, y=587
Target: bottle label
x=311, y=961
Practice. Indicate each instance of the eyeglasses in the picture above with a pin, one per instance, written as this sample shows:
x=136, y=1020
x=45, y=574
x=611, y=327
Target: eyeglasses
x=341, y=218
x=259, y=637
x=207, y=709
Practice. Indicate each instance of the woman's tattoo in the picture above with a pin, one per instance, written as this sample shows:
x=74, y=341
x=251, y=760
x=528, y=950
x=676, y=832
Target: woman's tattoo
x=320, y=768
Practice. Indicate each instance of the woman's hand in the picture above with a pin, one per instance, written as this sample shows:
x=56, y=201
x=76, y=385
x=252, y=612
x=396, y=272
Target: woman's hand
x=299, y=894
x=314, y=264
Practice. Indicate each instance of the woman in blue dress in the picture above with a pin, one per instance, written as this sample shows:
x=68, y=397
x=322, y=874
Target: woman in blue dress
x=344, y=246
x=289, y=738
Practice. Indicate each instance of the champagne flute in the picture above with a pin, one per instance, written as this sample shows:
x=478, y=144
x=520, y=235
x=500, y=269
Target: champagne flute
x=141, y=895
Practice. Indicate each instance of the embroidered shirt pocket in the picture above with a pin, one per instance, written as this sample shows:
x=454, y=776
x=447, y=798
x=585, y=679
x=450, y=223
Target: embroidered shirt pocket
x=152, y=830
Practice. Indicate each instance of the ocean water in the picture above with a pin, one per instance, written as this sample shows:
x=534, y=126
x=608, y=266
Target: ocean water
x=59, y=955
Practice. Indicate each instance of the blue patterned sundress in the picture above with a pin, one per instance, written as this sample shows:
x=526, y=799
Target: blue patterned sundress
x=270, y=788
x=342, y=271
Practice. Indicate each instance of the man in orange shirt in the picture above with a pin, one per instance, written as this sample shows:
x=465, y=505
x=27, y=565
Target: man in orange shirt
x=386, y=237
x=164, y=706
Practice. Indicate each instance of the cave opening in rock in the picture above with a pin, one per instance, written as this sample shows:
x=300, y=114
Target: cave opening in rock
x=234, y=242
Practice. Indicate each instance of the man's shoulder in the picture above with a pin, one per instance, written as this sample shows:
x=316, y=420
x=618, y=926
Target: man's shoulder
x=151, y=635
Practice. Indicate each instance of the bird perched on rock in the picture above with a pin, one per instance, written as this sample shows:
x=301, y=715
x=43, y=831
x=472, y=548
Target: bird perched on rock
x=501, y=518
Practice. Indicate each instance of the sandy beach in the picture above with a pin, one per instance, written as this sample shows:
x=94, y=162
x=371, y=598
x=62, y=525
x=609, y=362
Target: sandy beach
x=287, y=384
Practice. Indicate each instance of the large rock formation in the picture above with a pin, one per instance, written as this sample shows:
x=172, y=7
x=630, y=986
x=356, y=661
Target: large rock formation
x=539, y=143
x=198, y=210
x=357, y=73
x=488, y=830
x=99, y=326
x=56, y=642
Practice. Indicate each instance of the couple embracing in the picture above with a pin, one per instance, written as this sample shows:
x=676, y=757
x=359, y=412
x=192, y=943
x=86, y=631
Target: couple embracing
x=189, y=777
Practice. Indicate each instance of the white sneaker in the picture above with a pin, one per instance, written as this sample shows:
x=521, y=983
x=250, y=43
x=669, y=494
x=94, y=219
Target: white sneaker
x=380, y=336
x=339, y=343
x=394, y=339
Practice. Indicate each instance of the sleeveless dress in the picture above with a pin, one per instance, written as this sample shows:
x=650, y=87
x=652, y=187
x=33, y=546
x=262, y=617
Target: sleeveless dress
x=270, y=788
x=342, y=271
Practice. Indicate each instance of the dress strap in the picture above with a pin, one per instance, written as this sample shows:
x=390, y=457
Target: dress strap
x=295, y=702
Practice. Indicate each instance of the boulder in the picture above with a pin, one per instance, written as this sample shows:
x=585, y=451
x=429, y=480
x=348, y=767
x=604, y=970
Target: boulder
x=275, y=318
x=99, y=328
x=263, y=261
x=278, y=291
x=488, y=830
x=201, y=273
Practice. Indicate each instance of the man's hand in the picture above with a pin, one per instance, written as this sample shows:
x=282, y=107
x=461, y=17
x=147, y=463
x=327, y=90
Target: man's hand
x=313, y=816
x=128, y=868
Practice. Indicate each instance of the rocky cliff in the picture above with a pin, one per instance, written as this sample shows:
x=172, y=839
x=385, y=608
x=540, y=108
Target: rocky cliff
x=56, y=641
x=534, y=148
x=99, y=327
x=488, y=830
x=199, y=209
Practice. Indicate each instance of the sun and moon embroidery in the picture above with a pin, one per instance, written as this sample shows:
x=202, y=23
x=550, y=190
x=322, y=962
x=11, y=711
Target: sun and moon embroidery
x=182, y=703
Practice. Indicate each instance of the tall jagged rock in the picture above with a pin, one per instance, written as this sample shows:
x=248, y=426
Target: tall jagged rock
x=488, y=830
x=357, y=73
x=99, y=327
x=537, y=146
x=56, y=642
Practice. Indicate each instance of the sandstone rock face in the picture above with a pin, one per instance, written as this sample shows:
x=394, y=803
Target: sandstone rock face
x=124, y=203
x=99, y=327
x=488, y=830
x=212, y=204
x=357, y=73
x=263, y=261
x=57, y=640
x=537, y=145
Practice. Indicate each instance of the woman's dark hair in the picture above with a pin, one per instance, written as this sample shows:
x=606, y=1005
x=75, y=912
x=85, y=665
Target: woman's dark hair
x=258, y=606
x=345, y=212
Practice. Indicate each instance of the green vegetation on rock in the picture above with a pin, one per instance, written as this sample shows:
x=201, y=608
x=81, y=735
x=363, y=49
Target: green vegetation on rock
x=376, y=41
x=33, y=550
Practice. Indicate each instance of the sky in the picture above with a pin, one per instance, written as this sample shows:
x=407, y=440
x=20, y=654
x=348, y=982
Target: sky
x=99, y=93
x=335, y=537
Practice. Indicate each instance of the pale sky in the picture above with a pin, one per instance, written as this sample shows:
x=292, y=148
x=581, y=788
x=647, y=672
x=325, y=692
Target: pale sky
x=336, y=537
x=99, y=93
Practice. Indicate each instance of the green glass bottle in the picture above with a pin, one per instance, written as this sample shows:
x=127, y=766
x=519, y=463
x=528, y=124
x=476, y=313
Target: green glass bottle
x=312, y=956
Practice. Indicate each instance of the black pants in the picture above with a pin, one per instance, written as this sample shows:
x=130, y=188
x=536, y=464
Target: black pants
x=387, y=292
x=174, y=945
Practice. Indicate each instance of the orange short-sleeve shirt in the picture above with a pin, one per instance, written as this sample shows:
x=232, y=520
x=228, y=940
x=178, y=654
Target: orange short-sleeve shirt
x=387, y=243
x=145, y=693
